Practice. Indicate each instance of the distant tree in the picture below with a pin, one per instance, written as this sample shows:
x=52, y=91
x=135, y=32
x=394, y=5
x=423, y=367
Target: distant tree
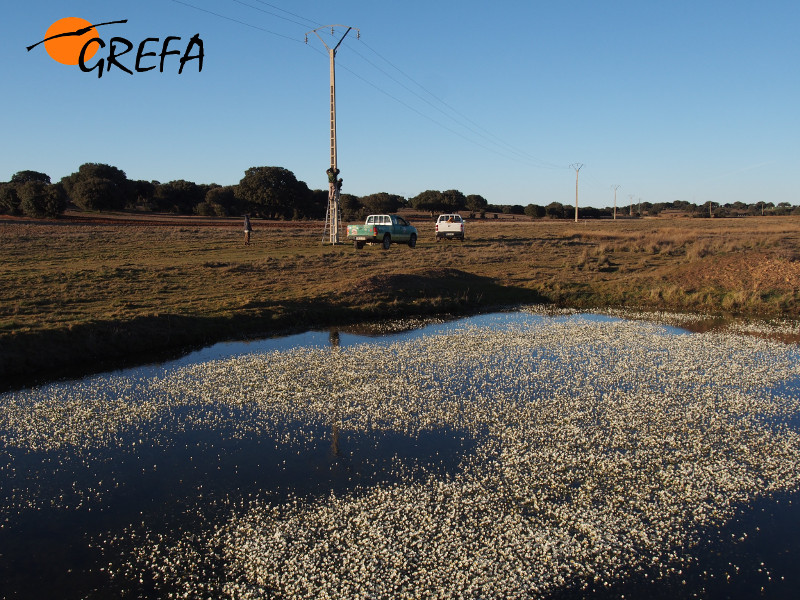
x=96, y=194
x=179, y=196
x=721, y=211
x=223, y=201
x=97, y=186
x=273, y=192
x=39, y=199
x=316, y=206
x=430, y=201
x=11, y=194
x=143, y=193
x=25, y=176
x=382, y=203
x=513, y=209
x=453, y=201
x=590, y=212
x=476, y=203
x=9, y=199
x=555, y=210
x=535, y=211
x=738, y=206
x=351, y=207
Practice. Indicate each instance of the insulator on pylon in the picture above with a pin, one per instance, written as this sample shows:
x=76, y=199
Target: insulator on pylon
x=331, y=30
x=306, y=38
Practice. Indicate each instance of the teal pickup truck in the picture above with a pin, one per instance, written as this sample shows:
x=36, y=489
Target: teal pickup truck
x=383, y=229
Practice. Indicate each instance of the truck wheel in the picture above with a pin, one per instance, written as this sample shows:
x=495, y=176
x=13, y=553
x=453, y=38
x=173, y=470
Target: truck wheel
x=358, y=245
x=412, y=241
x=387, y=241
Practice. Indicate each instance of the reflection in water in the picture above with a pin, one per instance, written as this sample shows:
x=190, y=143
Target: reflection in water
x=555, y=456
x=335, y=439
x=334, y=338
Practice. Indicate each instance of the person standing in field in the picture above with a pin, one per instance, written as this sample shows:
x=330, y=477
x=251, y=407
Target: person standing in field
x=247, y=229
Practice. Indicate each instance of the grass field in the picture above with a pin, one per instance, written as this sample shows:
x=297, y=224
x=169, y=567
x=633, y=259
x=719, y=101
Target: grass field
x=79, y=294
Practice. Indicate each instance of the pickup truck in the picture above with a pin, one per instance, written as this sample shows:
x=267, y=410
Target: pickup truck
x=450, y=226
x=382, y=229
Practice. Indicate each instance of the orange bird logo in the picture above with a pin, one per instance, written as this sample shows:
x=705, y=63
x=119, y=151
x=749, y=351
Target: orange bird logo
x=65, y=39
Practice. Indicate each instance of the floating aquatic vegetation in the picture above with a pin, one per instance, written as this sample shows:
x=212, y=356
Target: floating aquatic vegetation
x=602, y=447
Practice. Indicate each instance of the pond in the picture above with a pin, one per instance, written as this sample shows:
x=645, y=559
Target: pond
x=516, y=454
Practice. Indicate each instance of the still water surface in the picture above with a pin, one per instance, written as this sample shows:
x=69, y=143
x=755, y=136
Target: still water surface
x=144, y=466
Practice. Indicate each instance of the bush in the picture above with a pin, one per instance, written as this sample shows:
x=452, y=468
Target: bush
x=9, y=200
x=97, y=186
x=37, y=199
x=95, y=193
x=210, y=209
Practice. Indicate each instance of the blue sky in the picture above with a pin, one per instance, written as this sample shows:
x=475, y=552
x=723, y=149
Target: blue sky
x=693, y=100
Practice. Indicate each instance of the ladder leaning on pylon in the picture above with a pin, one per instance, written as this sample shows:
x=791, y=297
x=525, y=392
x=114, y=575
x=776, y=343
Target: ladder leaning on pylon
x=333, y=220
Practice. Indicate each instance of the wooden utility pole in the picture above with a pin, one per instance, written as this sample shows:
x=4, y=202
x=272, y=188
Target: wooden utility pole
x=332, y=216
x=615, y=187
x=577, y=167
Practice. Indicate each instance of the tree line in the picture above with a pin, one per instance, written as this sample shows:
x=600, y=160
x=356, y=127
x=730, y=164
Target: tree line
x=275, y=193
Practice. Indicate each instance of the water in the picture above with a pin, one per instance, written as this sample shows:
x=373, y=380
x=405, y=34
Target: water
x=146, y=466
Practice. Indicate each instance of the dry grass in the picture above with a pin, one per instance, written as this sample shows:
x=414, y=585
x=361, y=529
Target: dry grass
x=64, y=283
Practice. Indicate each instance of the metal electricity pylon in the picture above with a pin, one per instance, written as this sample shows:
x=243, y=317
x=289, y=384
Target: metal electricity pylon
x=615, y=187
x=577, y=167
x=332, y=217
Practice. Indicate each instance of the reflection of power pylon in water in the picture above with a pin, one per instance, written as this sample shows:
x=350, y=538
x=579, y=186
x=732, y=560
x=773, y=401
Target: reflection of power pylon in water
x=332, y=217
x=333, y=338
x=335, y=439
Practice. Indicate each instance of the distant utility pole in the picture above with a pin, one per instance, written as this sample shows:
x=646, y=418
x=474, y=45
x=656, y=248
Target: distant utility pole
x=630, y=197
x=615, y=187
x=577, y=167
x=710, y=213
x=332, y=216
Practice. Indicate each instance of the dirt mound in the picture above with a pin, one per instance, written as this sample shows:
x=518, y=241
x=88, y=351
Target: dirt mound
x=418, y=282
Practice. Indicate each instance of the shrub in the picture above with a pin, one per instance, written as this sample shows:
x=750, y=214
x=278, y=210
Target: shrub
x=37, y=199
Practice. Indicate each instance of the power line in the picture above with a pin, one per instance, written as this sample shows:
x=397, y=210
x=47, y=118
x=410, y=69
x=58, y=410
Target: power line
x=272, y=13
x=508, y=151
x=463, y=116
x=289, y=13
x=432, y=105
x=423, y=115
x=211, y=12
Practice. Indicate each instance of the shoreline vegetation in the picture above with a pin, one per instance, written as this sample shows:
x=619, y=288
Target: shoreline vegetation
x=89, y=291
